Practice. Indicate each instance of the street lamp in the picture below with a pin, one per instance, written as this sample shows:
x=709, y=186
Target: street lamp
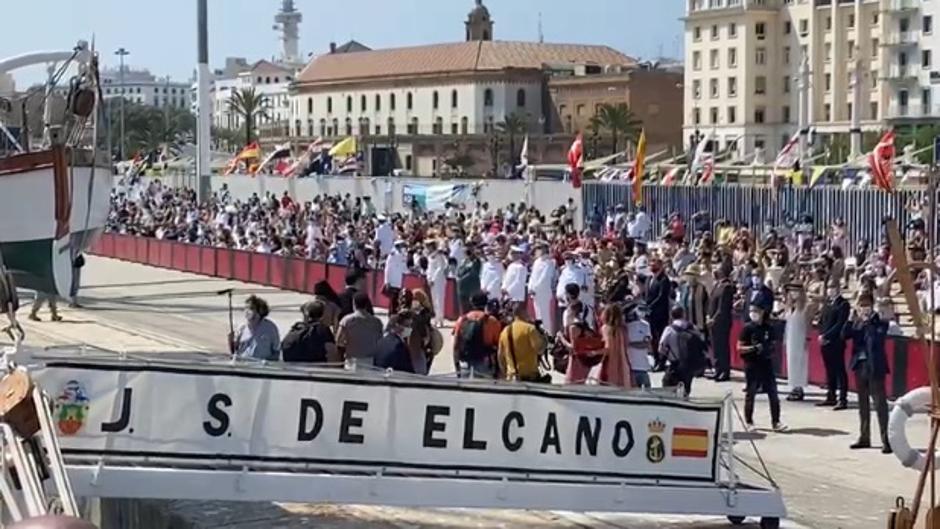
x=121, y=53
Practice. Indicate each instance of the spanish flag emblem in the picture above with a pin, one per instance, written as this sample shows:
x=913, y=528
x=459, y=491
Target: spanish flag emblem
x=689, y=442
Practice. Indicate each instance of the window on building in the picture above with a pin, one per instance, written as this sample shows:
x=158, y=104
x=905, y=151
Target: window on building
x=323, y=127
x=732, y=30
x=309, y=105
x=378, y=103
x=760, y=85
x=713, y=88
x=713, y=116
x=925, y=101
x=378, y=130
x=696, y=33
x=828, y=23
x=410, y=101
x=365, y=126
x=488, y=97
x=696, y=116
x=435, y=100
x=828, y=82
x=391, y=126
x=413, y=126
x=760, y=56
x=732, y=115
x=759, y=142
x=310, y=128
x=713, y=59
x=363, y=103
x=851, y=49
x=348, y=103
x=786, y=55
x=903, y=98
x=786, y=84
x=453, y=99
x=874, y=18
x=409, y=160
x=786, y=113
x=439, y=125
x=349, y=127
x=904, y=24
x=851, y=21
x=714, y=31
x=580, y=110
x=759, y=115
x=827, y=112
x=827, y=52
x=804, y=27
x=874, y=45
x=732, y=57
x=329, y=105
x=760, y=29
x=787, y=27
x=392, y=102
x=464, y=125
x=453, y=128
x=873, y=110
x=927, y=24
x=925, y=58
x=874, y=79
x=520, y=98
x=696, y=60
x=732, y=87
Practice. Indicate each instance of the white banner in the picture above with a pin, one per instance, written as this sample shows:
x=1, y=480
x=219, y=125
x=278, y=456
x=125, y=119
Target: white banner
x=249, y=415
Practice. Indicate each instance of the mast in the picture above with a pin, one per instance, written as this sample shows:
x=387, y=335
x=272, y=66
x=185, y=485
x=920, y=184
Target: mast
x=203, y=134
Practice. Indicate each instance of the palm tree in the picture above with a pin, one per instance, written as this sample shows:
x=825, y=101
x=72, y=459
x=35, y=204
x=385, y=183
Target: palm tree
x=512, y=125
x=251, y=106
x=619, y=120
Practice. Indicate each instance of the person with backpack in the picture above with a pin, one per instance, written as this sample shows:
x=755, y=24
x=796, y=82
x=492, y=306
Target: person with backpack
x=476, y=339
x=309, y=341
x=683, y=348
x=755, y=345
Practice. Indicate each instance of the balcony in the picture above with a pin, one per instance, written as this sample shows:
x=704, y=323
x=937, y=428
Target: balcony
x=899, y=73
x=901, y=38
x=914, y=111
x=900, y=6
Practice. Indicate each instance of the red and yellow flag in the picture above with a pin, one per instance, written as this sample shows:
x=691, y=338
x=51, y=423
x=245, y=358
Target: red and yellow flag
x=638, y=167
x=690, y=442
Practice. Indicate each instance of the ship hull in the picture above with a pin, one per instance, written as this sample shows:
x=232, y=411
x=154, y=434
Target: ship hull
x=51, y=209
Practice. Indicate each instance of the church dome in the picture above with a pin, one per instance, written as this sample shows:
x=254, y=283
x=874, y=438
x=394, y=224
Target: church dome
x=480, y=12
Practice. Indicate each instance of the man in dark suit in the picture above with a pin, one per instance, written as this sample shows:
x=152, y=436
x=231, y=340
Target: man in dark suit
x=720, y=318
x=870, y=365
x=346, y=297
x=832, y=322
x=658, y=305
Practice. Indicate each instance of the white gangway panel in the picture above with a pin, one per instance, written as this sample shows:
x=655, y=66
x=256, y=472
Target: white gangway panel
x=186, y=428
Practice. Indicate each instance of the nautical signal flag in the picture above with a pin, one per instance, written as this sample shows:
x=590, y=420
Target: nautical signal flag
x=638, y=167
x=576, y=161
x=690, y=442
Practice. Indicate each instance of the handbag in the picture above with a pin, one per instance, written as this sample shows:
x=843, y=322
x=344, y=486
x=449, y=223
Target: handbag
x=587, y=343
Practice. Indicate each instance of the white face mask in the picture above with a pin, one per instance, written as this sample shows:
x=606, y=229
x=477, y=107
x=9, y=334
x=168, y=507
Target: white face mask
x=406, y=333
x=755, y=316
x=865, y=312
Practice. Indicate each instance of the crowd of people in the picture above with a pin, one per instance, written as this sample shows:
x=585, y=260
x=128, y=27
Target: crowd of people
x=602, y=305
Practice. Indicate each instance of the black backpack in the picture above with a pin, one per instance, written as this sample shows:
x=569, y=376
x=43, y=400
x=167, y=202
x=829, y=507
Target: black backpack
x=692, y=349
x=470, y=339
x=303, y=344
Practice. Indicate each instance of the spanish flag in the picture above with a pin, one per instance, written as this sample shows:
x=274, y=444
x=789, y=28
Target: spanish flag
x=251, y=152
x=638, y=167
x=690, y=442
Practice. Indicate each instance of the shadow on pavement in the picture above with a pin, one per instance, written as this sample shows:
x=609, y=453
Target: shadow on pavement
x=816, y=432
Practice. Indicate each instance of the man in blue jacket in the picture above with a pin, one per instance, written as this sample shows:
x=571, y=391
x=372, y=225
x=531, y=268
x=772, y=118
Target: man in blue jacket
x=832, y=323
x=870, y=365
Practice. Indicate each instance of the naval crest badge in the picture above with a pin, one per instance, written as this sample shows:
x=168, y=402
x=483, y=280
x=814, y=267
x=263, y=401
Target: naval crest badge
x=71, y=408
x=655, y=447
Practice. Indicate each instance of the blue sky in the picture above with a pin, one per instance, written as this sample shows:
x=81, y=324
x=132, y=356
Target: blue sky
x=160, y=34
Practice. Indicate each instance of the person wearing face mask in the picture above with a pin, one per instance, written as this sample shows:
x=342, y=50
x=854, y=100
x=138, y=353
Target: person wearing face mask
x=392, y=350
x=832, y=324
x=540, y=287
x=491, y=275
x=755, y=345
x=514, y=282
x=571, y=274
x=258, y=338
x=720, y=319
x=658, y=304
x=869, y=333
x=797, y=322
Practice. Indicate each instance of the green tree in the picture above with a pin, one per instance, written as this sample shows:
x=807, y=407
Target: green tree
x=620, y=122
x=513, y=125
x=147, y=128
x=921, y=136
x=251, y=106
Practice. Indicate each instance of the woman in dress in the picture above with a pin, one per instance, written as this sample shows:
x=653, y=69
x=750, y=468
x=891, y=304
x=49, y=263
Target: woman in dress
x=578, y=371
x=614, y=370
x=797, y=323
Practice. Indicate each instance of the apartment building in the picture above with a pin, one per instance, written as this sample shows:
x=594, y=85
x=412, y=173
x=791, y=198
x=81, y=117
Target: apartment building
x=744, y=67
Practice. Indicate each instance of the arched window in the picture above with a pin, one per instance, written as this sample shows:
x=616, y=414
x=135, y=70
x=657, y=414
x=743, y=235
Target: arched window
x=348, y=103
x=453, y=99
x=464, y=125
x=488, y=98
x=364, y=127
x=435, y=100
x=391, y=101
x=277, y=80
x=335, y=126
x=309, y=105
x=329, y=105
x=349, y=127
x=520, y=98
x=439, y=125
x=410, y=103
x=378, y=102
x=310, y=131
x=322, y=127
x=362, y=103
x=267, y=80
x=413, y=126
x=391, y=126
x=298, y=127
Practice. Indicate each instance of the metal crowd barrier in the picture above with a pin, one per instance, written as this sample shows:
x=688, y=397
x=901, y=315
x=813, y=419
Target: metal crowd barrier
x=907, y=357
x=862, y=209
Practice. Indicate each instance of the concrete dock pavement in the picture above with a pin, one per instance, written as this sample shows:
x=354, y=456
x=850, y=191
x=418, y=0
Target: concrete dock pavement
x=826, y=485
